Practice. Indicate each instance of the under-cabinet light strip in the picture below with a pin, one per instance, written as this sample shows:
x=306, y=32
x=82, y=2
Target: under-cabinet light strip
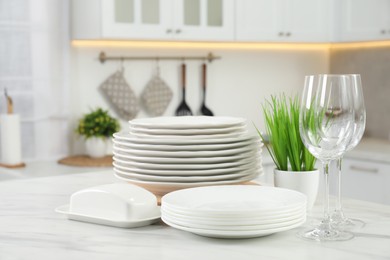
x=227, y=45
x=198, y=45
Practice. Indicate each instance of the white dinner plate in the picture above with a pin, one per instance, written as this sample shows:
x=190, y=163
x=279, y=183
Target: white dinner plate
x=197, y=160
x=203, y=217
x=190, y=172
x=233, y=227
x=186, y=154
x=133, y=139
x=162, y=188
x=157, y=178
x=190, y=137
x=193, y=131
x=232, y=234
x=159, y=166
x=123, y=143
x=110, y=222
x=187, y=122
x=235, y=199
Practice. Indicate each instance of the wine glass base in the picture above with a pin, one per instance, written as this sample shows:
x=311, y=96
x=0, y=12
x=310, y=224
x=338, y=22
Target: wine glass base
x=348, y=224
x=340, y=222
x=321, y=235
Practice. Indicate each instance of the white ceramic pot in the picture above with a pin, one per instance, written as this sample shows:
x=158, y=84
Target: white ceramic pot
x=305, y=182
x=96, y=147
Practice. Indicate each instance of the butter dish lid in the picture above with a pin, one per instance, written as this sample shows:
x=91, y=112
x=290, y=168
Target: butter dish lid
x=119, y=204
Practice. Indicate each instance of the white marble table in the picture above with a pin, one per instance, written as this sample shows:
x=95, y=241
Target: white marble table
x=30, y=229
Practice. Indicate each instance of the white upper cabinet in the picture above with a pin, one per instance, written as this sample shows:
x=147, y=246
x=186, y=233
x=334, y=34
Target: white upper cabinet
x=140, y=19
x=361, y=20
x=232, y=20
x=208, y=20
x=283, y=20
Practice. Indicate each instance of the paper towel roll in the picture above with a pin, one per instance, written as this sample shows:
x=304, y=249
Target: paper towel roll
x=10, y=138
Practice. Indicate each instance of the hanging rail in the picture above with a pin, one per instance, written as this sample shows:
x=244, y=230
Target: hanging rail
x=210, y=57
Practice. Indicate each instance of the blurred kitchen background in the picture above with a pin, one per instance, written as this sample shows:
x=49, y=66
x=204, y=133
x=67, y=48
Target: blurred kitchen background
x=49, y=57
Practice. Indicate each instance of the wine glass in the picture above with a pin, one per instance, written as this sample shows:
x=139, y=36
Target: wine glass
x=338, y=218
x=326, y=125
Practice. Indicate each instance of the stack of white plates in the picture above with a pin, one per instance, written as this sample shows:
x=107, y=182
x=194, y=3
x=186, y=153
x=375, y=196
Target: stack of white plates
x=237, y=211
x=164, y=154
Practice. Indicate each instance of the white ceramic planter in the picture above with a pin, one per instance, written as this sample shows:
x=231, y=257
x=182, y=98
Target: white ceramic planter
x=305, y=182
x=96, y=147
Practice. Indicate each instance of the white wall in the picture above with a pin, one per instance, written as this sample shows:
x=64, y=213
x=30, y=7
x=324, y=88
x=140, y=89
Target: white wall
x=237, y=84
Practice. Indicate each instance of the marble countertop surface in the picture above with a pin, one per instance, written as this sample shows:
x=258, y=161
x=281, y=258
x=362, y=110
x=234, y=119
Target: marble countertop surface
x=30, y=229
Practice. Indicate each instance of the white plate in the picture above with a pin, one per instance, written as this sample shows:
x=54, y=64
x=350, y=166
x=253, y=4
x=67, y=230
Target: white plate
x=156, y=178
x=158, y=166
x=199, y=131
x=199, y=160
x=132, y=139
x=233, y=227
x=232, y=217
x=162, y=188
x=110, y=222
x=191, y=172
x=183, y=148
x=232, y=234
x=187, y=122
x=186, y=154
x=234, y=199
x=189, y=137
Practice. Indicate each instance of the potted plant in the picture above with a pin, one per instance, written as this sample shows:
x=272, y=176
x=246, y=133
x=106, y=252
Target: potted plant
x=97, y=127
x=295, y=165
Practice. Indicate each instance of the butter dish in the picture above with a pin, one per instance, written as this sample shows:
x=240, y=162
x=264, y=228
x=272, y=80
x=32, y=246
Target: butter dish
x=119, y=204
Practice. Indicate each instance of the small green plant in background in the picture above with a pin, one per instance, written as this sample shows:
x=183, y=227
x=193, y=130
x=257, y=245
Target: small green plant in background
x=97, y=123
x=282, y=127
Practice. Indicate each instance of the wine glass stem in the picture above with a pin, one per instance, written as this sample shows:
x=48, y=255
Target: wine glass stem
x=326, y=192
x=338, y=201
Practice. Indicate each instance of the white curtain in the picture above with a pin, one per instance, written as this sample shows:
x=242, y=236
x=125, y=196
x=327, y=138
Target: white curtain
x=34, y=58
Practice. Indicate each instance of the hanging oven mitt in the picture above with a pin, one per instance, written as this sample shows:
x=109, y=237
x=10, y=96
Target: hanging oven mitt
x=156, y=96
x=120, y=96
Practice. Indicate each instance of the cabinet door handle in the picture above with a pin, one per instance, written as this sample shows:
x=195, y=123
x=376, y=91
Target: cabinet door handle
x=364, y=169
x=383, y=31
x=281, y=34
x=178, y=31
x=168, y=31
x=288, y=34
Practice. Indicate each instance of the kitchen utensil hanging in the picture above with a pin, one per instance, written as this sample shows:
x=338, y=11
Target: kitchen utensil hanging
x=203, y=109
x=157, y=95
x=183, y=109
x=120, y=95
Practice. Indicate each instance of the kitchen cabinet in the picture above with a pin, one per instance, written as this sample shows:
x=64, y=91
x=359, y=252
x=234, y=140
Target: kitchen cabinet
x=283, y=20
x=361, y=20
x=206, y=20
x=366, y=180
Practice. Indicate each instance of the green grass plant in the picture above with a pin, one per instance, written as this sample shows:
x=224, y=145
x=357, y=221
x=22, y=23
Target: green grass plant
x=285, y=146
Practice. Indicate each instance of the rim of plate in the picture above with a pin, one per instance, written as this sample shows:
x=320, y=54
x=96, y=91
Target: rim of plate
x=190, y=137
x=200, y=172
x=232, y=234
x=194, y=198
x=192, y=131
x=234, y=227
x=182, y=185
x=187, y=179
x=268, y=214
x=128, y=137
x=185, y=154
x=194, y=160
x=190, y=147
x=200, y=166
x=187, y=122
